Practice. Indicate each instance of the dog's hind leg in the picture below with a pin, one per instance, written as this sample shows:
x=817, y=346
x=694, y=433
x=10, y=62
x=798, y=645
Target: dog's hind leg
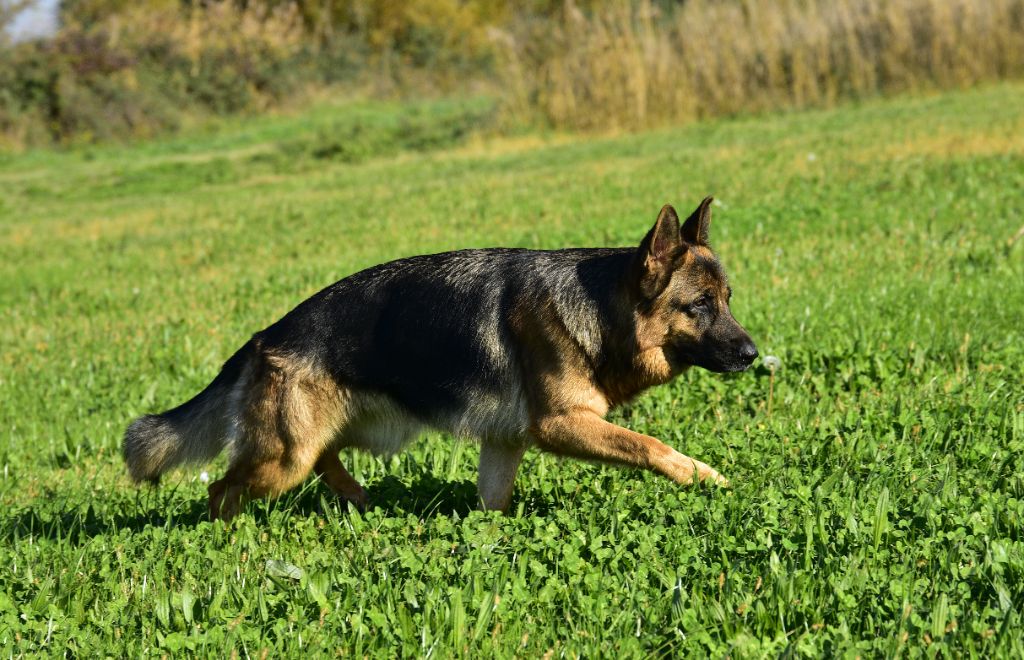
x=289, y=416
x=248, y=479
x=499, y=462
x=330, y=470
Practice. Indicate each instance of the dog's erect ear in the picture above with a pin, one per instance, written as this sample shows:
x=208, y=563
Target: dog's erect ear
x=695, y=229
x=659, y=253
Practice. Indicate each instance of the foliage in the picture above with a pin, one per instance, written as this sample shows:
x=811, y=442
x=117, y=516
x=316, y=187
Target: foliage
x=141, y=71
x=121, y=69
x=877, y=510
x=636, y=64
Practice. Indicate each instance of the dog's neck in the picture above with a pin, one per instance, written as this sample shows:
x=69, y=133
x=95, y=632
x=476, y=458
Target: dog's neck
x=602, y=318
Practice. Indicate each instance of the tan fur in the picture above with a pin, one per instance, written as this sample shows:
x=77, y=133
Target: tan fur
x=290, y=414
x=291, y=419
x=567, y=406
x=333, y=473
x=499, y=462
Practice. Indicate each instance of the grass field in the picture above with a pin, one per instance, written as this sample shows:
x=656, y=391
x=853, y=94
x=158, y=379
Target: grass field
x=877, y=496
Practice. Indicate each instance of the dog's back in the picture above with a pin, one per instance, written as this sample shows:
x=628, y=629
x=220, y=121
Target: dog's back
x=436, y=334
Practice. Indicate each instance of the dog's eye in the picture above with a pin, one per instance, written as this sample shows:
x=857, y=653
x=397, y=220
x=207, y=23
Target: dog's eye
x=701, y=304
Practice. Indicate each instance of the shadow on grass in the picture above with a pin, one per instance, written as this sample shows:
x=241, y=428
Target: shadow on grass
x=81, y=524
x=426, y=496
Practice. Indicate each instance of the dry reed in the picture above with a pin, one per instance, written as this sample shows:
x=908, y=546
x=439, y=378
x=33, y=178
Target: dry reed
x=633, y=65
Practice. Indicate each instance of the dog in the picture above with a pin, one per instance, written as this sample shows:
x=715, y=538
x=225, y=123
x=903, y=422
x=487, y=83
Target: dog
x=512, y=347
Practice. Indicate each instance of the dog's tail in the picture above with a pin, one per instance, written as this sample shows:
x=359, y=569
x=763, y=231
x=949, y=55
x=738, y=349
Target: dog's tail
x=194, y=432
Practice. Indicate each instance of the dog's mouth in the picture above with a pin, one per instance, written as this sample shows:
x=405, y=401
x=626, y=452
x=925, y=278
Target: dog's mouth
x=726, y=367
x=744, y=357
x=736, y=367
x=717, y=359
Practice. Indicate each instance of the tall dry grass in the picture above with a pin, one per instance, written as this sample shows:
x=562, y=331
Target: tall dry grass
x=120, y=68
x=634, y=64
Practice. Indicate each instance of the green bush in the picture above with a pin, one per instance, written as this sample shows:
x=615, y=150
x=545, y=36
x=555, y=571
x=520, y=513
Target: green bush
x=119, y=69
x=142, y=70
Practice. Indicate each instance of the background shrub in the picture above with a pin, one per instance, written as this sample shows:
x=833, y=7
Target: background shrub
x=631, y=65
x=120, y=69
x=140, y=69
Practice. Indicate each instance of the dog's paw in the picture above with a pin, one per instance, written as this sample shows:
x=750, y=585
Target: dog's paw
x=356, y=497
x=721, y=481
x=708, y=475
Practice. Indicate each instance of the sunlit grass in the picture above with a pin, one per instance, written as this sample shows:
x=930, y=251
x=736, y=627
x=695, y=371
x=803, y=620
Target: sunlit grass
x=877, y=508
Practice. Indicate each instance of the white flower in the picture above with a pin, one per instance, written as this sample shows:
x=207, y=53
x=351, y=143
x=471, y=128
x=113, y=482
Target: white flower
x=204, y=476
x=811, y=157
x=771, y=362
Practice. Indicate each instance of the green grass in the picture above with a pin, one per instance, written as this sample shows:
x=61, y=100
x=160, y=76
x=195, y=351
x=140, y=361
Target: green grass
x=877, y=510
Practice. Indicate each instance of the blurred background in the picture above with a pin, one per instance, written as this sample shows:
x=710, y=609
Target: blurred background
x=80, y=71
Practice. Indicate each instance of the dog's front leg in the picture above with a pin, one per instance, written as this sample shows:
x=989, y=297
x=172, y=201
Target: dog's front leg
x=499, y=462
x=584, y=434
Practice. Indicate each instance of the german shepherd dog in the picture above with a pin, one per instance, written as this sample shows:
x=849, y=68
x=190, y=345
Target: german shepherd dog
x=512, y=347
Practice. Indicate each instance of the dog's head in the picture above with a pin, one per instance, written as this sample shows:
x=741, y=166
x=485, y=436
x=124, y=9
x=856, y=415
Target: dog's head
x=683, y=296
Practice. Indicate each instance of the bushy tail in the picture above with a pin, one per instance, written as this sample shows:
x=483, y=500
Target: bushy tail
x=194, y=432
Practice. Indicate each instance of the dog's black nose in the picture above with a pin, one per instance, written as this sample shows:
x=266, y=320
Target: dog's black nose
x=748, y=351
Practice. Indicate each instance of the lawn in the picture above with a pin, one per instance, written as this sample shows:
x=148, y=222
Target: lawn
x=877, y=500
